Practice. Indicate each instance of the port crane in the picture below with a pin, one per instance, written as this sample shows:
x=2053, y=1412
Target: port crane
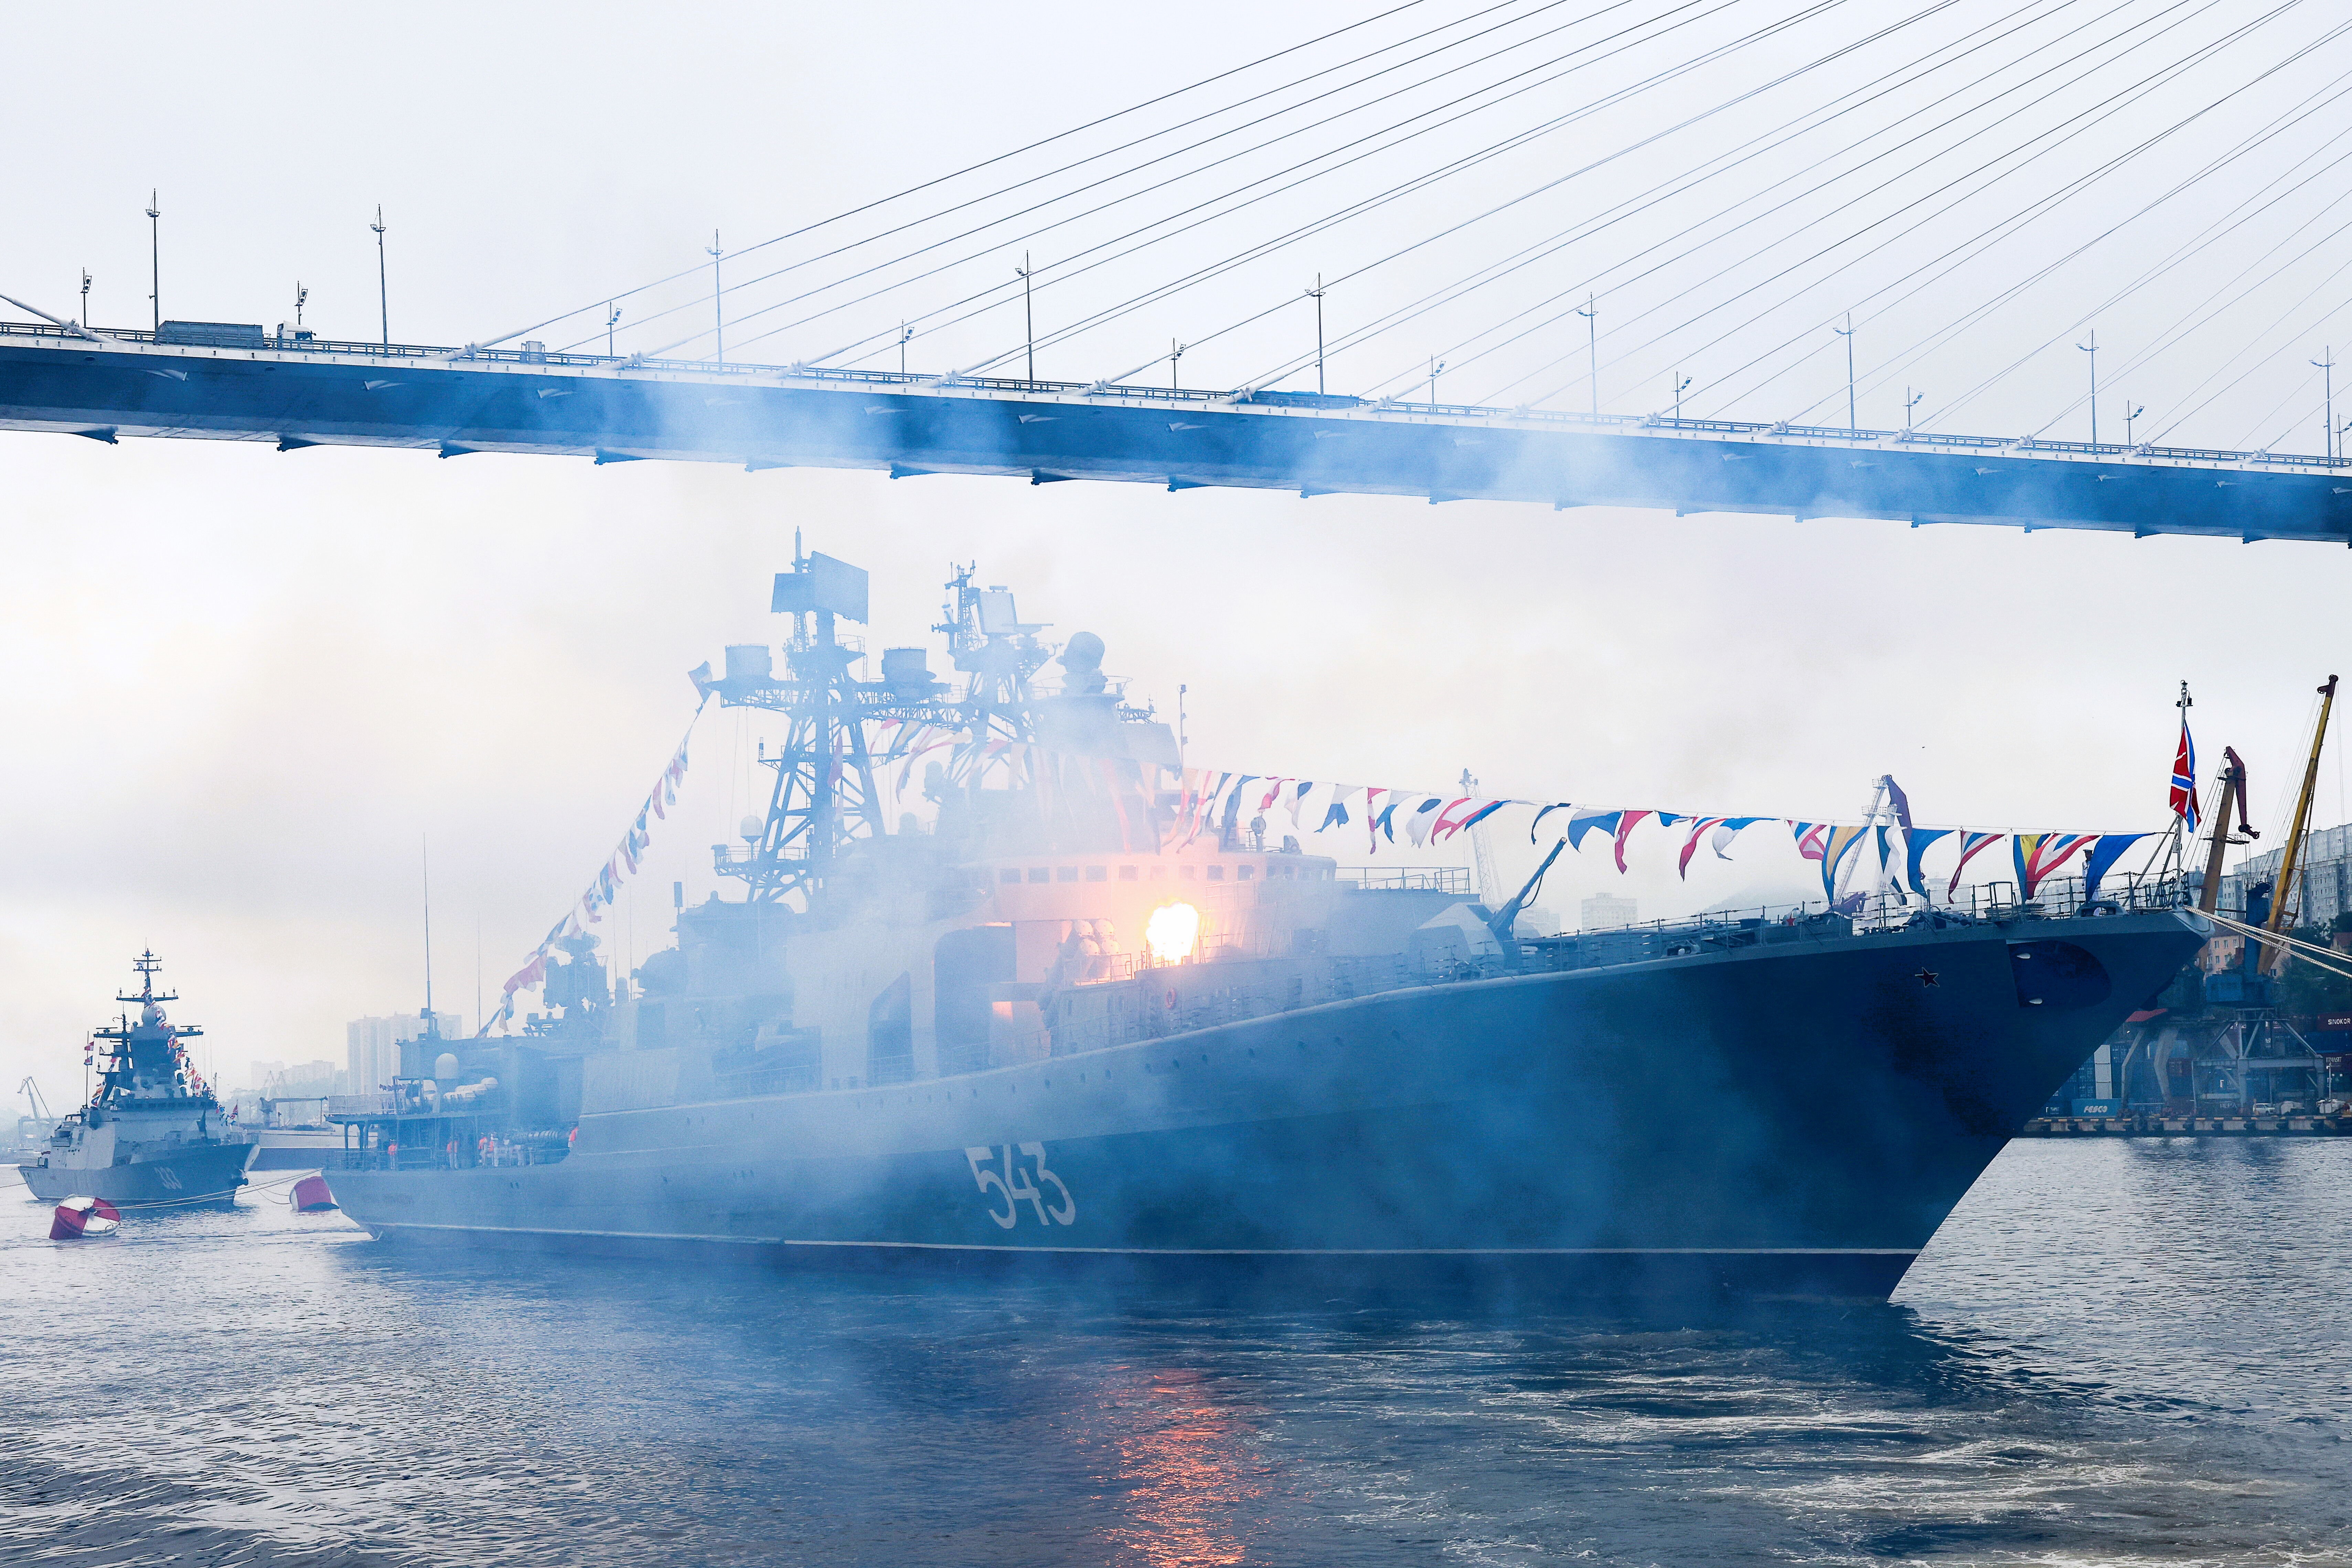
x=32, y=1129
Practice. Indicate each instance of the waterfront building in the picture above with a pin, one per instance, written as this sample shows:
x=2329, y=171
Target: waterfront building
x=372, y=1047
x=2323, y=876
x=1606, y=912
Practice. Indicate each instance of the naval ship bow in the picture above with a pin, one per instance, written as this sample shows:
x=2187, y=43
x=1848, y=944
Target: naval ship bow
x=153, y=1133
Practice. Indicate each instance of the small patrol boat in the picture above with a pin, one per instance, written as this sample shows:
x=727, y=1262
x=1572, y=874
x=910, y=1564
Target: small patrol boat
x=153, y=1133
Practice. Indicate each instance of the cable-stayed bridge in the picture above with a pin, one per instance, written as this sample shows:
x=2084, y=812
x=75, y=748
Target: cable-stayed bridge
x=458, y=402
x=1568, y=252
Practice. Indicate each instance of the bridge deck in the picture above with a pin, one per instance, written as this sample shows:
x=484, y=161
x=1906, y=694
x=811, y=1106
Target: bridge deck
x=110, y=384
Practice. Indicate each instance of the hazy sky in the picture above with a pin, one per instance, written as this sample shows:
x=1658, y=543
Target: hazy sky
x=243, y=686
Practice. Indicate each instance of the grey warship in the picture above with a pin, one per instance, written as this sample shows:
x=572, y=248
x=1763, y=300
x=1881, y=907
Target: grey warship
x=153, y=1133
x=1060, y=1028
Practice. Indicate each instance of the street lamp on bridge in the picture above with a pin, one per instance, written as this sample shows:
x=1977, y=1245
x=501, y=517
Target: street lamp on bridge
x=2092, y=349
x=155, y=257
x=1592, y=314
x=1028, y=315
x=2328, y=446
x=1315, y=294
x=717, y=302
x=1846, y=332
x=382, y=288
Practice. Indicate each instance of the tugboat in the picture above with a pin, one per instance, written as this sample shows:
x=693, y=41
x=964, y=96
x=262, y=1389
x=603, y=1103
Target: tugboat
x=154, y=1134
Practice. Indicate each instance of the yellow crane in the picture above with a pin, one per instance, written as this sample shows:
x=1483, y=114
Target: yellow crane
x=2276, y=959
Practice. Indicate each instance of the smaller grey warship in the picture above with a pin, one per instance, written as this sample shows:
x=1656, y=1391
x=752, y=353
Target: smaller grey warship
x=152, y=1133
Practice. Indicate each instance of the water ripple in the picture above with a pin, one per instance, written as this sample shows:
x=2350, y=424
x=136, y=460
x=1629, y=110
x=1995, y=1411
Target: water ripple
x=2116, y=1353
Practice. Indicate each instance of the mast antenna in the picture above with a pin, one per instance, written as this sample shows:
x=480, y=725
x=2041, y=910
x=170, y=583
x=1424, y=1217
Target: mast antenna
x=2175, y=851
x=424, y=855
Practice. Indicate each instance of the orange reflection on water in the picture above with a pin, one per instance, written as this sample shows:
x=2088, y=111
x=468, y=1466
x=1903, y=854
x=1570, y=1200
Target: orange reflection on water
x=1186, y=1472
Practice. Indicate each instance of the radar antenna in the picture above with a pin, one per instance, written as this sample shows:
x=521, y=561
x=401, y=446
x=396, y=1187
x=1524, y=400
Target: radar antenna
x=148, y=965
x=829, y=774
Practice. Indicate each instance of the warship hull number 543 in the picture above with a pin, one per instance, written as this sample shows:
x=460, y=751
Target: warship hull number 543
x=947, y=1042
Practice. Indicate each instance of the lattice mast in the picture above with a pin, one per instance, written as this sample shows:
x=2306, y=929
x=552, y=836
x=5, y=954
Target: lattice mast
x=828, y=790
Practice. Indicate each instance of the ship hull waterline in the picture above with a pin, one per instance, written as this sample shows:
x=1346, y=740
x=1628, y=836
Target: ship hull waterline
x=1795, y=1117
x=185, y=1176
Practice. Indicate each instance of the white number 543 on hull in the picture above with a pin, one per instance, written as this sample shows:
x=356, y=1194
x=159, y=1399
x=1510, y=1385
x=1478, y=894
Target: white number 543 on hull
x=1015, y=1186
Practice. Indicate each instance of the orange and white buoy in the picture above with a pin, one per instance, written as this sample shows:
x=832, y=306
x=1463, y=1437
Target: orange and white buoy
x=77, y=1217
x=313, y=1196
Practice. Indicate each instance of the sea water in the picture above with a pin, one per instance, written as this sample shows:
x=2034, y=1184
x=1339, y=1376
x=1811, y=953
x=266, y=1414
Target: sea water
x=2115, y=1351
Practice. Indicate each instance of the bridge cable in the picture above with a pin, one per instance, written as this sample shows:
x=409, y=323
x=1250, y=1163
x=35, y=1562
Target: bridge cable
x=1001, y=294
x=985, y=162
x=1137, y=168
x=1881, y=373
x=2016, y=222
x=1409, y=187
x=2262, y=200
x=2245, y=442
x=1883, y=184
x=2010, y=223
x=1757, y=147
x=2063, y=133
x=2177, y=419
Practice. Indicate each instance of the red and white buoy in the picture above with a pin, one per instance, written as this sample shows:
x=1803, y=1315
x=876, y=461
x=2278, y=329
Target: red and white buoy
x=77, y=1217
x=311, y=1196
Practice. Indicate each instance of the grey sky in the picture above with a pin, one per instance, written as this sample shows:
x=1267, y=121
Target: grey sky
x=244, y=683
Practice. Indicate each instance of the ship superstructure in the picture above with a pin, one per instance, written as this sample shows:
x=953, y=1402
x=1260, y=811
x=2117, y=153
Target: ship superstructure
x=153, y=1132
x=1064, y=1016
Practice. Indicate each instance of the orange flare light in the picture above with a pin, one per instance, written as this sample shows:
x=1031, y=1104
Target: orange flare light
x=1171, y=932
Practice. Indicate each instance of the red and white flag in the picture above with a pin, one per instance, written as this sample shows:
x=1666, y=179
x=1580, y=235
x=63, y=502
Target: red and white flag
x=2184, y=778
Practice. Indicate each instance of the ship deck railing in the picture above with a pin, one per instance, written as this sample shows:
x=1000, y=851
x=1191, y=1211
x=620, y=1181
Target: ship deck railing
x=417, y=1108
x=541, y=1147
x=1991, y=904
x=1127, y=998
x=1455, y=879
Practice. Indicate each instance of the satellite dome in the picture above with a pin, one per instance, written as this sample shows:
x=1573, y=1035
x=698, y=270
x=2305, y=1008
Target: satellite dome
x=1082, y=657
